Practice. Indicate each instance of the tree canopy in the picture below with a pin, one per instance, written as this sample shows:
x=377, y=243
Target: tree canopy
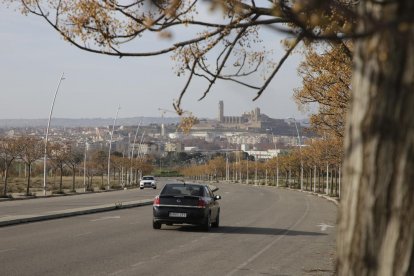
x=326, y=82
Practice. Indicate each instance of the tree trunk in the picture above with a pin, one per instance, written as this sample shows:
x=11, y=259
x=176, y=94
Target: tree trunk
x=119, y=177
x=73, y=178
x=61, y=179
x=376, y=220
x=319, y=180
x=28, y=179
x=6, y=174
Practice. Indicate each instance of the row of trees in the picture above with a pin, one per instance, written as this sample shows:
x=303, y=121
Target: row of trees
x=321, y=160
x=66, y=159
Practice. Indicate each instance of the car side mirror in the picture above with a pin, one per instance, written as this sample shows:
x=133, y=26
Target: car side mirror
x=217, y=197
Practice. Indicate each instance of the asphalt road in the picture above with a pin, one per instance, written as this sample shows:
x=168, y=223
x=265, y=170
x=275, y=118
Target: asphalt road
x=41, y=205
x=264, y=231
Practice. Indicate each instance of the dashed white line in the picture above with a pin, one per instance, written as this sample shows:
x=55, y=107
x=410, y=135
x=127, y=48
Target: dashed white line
x=83, y=234
x=324, y=226
x=106, y=218
x=7, y=250
x=137, y=264
x=258, y=254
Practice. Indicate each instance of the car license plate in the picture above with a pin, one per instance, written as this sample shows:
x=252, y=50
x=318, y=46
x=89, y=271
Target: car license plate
x=178, y=215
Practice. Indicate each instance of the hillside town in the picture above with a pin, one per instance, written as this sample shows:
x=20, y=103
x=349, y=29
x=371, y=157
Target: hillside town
x=254, y=133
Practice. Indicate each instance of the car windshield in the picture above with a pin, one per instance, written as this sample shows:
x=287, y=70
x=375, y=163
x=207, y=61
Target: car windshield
x=148, y=178
x=183, y=190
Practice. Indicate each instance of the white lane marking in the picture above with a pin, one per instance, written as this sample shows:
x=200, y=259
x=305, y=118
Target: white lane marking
x=117, y=272
x=106, y=218
x=7, y=250
x=324, y=226
x=154, y=257
x=258, y=254
x=83, y=234
x=137, y=264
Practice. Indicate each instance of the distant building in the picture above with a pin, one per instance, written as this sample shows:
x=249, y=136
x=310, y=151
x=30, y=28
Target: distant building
x=247, y=120
x=148, y=149
x=173, y=147
x=252, y=121
x=191, y=149
x=263, y=155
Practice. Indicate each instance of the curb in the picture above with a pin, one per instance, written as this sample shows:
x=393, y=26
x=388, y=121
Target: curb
x=331, y=199
x=62, y=195
x=12, y=220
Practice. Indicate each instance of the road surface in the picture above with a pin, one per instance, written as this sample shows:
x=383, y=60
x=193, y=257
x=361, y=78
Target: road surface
x=264, y=231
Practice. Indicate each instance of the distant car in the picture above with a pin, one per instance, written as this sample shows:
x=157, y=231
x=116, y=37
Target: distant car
x=147, y=181
x=182, y=203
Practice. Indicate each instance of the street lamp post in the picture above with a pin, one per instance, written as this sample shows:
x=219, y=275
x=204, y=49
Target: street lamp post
x=47, y=134
x=300, y=153
x=133, y=148
x=84, y=166
x=247, y=170
x=227, y=167
x=110, y=148
x=277, y=162
x=255, y=169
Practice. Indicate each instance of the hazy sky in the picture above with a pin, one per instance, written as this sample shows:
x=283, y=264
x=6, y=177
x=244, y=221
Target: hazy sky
x=33, y=57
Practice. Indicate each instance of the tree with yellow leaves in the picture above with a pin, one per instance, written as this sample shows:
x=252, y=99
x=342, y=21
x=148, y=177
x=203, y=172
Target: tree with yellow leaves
x=326, y=82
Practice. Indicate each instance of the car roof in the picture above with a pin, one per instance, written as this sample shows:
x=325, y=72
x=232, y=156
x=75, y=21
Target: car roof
x=181, y=183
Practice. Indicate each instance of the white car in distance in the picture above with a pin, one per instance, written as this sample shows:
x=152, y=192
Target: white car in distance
x=147, y=181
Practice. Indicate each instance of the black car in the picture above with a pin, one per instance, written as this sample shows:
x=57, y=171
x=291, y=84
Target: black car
x=182, y=203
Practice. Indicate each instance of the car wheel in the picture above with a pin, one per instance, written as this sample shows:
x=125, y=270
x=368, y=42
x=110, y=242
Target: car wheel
x=217, y=222
x=141, y=188
x=207, y=223
x=156, y=225
x=155, y=188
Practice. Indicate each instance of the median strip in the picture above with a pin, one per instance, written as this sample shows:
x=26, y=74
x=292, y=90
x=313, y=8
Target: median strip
x=11, y=220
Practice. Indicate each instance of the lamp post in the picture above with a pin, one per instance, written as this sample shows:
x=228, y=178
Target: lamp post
x=247, y=170
x=277, y=166
x=327, y=167
x=131, y=157
x=139, y=153
x=300, y=153
x=255, y=168
x=47, y=134
x=84, y=166
x=277, y=159
x=227, y=167
x=110, y=148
